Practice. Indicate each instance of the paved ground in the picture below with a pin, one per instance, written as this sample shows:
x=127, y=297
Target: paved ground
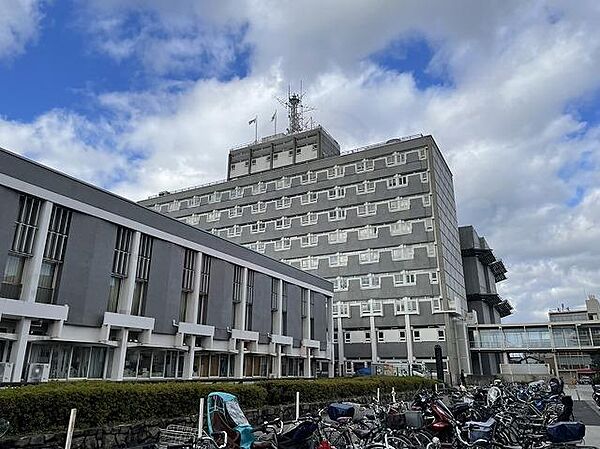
x=586, y=410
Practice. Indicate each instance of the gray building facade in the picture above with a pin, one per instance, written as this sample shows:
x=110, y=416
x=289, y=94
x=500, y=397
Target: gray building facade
x=379, y=222
x=96, y=286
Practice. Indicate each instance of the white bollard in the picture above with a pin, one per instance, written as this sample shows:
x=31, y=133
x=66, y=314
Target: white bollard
x=70, y=429
x=297, y=405
x=200, y=417
x=377, y=395
x=393, y=395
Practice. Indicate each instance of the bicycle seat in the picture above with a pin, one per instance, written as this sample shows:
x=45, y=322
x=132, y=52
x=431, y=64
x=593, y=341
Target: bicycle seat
x=344, y=419
x=261, y=445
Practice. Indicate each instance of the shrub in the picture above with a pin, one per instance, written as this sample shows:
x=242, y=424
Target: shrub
x=46, y=407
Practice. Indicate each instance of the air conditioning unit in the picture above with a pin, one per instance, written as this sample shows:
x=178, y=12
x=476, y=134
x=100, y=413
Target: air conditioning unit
x=38, y=372
x=6, y=369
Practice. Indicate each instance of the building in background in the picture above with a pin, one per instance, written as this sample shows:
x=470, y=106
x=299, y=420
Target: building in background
x=95, y=286
x=566, y=345
x=379, y=222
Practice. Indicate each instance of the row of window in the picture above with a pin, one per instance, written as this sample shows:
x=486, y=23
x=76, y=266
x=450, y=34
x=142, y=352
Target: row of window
x=374, y=307
x=309, y=177
x=401, y=203
x=373, y=281
x=340, y=235
x=402, y=252
x=392, y=335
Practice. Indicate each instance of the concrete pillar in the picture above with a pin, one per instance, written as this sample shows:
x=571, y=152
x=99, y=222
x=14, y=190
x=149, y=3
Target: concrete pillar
x=19, y=348
x=191, y=316
x=306, y=332
x=341, y=357
x=240, y=319
x=128, y=287
x=278, y=329
x=373, y=330
x=409, y=342
x=119, y=354
x=330, y=337
x=33, y=265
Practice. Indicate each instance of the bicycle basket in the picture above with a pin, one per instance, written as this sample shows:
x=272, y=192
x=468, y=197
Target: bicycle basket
x=566, y=432
x=414, y=419
x=395, y=420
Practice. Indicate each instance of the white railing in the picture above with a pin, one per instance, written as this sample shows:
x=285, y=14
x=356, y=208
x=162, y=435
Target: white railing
x=378, y=144
x=185, y=189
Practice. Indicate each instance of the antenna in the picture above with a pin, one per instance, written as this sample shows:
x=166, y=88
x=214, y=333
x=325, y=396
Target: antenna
x=296, y=110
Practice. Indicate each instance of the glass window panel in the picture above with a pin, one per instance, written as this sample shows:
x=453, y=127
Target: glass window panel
x=79, y=362
x=97, y=358
x=158, y=364
x=131, y=360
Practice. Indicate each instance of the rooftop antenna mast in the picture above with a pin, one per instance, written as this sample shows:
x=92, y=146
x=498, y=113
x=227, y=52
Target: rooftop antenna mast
x=295, y=109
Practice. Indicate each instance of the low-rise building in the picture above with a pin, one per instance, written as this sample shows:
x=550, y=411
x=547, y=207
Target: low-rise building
x=97, y=287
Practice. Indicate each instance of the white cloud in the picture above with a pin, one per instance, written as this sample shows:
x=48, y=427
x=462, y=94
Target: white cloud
x=19, y=22
x=505, y=120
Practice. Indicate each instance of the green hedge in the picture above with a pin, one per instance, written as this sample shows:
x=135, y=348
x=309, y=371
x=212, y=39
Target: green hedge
x=39, y=408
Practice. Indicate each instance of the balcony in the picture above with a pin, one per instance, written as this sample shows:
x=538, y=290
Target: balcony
x=34, y=310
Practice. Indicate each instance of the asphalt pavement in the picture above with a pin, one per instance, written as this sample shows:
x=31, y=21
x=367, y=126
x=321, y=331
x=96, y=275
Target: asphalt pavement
x=586, y=411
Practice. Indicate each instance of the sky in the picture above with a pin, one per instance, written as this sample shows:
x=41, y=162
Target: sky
x=139, y=96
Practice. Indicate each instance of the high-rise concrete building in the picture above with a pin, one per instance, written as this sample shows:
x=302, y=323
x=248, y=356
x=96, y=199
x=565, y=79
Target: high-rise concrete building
x=379, y=222
x=94, y=286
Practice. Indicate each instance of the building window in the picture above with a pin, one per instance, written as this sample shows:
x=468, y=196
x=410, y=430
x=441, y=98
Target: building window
x=283, y=183
x=258, y=208
x=234, y=231
x=308, y=178
x=364, y=165
x=284, y=308
x=340, y=310
x=274, y=294
x=433, y=278
x=309, y=263
x=142, y=275
x=371, y=308
x=403, y=279
x=426, y=200
x=283, y=244
x=335, y=172
x=441, y=334
x=346, y=337
x=249, y=300
x=406, y=305
x=368, y=232
x=424, y=177
x=368, y=256
x=304, y=303
x=214, y=197
x=215, y=215
x=309, y=219
x=235, y=212
x=403, y=253
x=367, y=337
x=402, y=336
x=238, y=282
x=309, y=198
x=205, y=274
x=337, y=214
x=26, y=225
x=283, y=203
x=400, y=228
x=370, y=281
x=366, y=209
x=283, y=223
x=336, y=193
x=13, y=277
x=397, y=181
x=120, y=265
x=309, y=240
x=416, y=335
x=429, y=224
x=257, y=227
x=335, y=336
x=399, y=204
x=337, y=236
x=338, y=260
x=436, y=305
x=340, y=284
x=395, y=159
x=259, y=188
x=422, y=153
x=236, y=193
x=365, y=187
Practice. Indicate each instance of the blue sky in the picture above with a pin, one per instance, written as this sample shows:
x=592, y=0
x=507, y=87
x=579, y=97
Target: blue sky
x=143, y=96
